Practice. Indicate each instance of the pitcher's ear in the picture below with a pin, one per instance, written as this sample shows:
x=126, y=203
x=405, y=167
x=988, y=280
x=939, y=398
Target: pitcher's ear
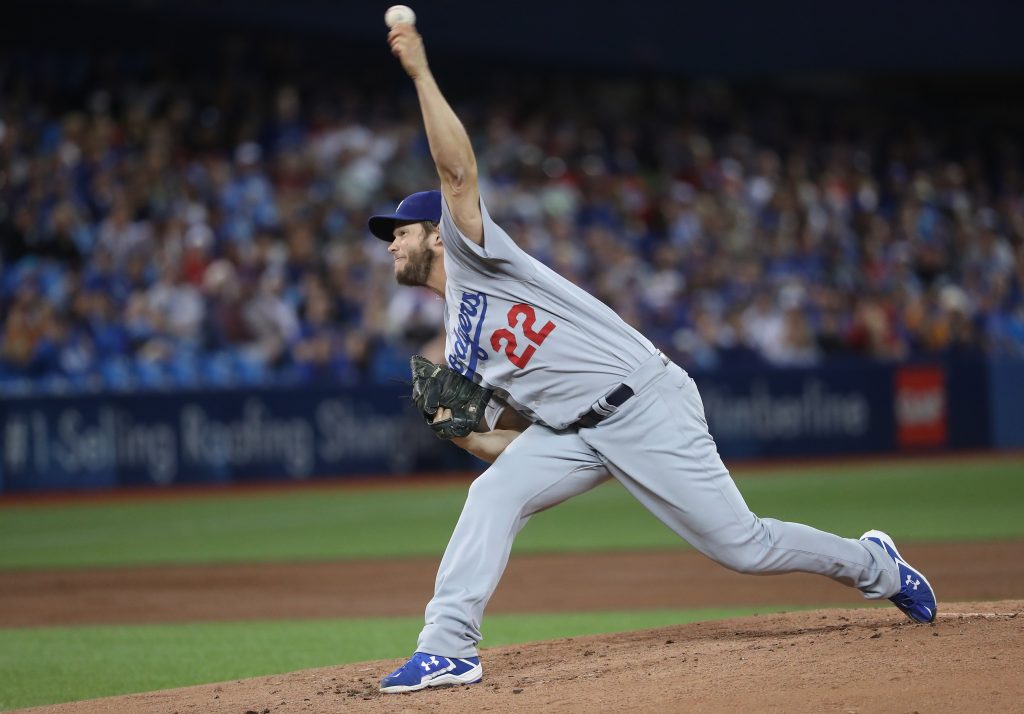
x=433, y=231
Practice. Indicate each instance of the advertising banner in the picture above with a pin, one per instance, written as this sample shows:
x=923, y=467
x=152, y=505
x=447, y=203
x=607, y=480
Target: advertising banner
x=204, y=437
x=800, y=412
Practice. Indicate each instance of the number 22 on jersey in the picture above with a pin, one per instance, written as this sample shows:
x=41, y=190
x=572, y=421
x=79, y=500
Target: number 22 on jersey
x=508, y=338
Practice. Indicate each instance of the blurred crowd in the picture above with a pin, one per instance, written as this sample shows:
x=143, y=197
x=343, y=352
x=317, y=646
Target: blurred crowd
x=210, y=231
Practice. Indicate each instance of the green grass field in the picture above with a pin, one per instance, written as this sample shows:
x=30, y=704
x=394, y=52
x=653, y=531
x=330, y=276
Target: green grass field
x=917, y=501
x=956, y=501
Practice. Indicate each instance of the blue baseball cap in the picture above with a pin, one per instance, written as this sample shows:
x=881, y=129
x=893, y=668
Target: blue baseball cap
x=422, y=206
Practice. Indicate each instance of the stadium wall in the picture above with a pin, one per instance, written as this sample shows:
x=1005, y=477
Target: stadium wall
x=159, y=439
x=1007, y=399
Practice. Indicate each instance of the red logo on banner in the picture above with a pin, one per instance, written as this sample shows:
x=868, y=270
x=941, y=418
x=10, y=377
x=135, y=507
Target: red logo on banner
x=921, y=418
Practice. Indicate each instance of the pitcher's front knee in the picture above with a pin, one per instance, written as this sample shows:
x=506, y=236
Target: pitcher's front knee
x=494, y=493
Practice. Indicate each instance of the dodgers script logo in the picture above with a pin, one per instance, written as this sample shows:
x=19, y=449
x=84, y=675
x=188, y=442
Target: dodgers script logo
x=466, y=349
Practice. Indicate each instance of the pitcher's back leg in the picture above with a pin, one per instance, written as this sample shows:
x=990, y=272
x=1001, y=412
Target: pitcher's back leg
x=680, y=477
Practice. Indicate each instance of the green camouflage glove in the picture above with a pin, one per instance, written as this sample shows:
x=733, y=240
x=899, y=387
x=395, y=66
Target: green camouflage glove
x=437, y=385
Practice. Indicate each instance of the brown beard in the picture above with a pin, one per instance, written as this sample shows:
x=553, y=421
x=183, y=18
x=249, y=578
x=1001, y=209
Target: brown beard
x=417, y=266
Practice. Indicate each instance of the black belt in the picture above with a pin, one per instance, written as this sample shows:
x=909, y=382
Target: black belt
x=594, y=417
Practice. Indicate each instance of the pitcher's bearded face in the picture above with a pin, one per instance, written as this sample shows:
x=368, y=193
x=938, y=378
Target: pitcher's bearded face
x=414, y=265
x=413, y=257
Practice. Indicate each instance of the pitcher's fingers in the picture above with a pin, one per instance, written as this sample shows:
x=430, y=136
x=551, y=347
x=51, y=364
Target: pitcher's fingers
x=443, y=413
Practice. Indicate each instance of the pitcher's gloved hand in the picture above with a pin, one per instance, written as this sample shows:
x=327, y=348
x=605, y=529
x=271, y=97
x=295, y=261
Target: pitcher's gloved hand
x=437, y=385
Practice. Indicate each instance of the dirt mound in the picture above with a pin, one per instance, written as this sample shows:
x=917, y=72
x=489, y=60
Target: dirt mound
x=826, y=660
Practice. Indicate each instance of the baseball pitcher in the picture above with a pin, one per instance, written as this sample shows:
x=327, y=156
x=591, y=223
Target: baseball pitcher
x=600, y=402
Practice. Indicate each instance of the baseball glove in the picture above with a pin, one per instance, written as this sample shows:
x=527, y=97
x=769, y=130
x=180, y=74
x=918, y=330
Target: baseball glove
x=437, y=385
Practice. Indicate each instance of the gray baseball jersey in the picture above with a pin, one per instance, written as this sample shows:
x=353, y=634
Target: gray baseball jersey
x=554, y=351
x=545, y=346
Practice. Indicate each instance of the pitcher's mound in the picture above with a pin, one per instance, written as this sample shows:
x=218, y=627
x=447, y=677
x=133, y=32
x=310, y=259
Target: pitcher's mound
x=863, y=660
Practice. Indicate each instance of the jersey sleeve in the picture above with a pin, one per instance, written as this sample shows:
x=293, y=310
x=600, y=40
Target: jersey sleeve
x=492, y=412
x=499, y=255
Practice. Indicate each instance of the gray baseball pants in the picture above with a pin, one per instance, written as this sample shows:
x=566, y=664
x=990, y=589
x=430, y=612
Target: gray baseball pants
x=658, y=446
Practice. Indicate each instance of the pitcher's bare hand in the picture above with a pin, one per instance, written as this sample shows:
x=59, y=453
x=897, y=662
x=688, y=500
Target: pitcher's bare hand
x=407, y=45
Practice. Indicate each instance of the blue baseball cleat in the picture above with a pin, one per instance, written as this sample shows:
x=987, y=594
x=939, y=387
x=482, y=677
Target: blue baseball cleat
x=426, y=670
x=916, y=597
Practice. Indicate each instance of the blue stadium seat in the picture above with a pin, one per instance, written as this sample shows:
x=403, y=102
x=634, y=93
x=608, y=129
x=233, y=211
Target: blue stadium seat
x=86, y=382
x=54, y=384
x=184, y=370
x=250, y=369
x=218, y=370
x=117, y=374
x=153, y=374
x=389, y=364
x=13, y=385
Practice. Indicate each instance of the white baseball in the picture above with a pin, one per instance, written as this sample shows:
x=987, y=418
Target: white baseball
x=399, y=15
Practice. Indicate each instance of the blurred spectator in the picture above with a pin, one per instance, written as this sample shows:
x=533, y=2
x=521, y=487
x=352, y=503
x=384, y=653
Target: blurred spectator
x=270, y=318
x=121, y=236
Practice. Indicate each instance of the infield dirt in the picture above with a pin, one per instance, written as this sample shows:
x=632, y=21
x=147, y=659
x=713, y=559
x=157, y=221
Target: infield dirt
x=532, y=583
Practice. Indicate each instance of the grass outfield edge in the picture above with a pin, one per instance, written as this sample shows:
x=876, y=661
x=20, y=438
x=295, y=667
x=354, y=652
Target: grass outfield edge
x=740, y=467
